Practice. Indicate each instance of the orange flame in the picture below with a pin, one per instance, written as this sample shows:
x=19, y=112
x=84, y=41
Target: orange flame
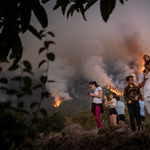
x=58, y=101
x=113, y=89
x=143, y=67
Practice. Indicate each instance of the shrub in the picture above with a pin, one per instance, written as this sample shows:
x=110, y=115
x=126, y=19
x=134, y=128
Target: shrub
x=55, y=122
x=85, y=118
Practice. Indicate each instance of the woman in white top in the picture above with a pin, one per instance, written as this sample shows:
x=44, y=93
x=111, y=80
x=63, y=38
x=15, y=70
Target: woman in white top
x=97, y=106
x=112, y=103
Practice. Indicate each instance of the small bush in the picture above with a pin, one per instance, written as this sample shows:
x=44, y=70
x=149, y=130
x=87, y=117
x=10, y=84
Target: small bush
x=85, y=118
x=146, y=123
x=55, y=122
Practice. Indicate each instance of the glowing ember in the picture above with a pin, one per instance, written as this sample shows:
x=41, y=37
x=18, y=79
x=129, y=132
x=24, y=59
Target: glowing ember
x=114, y=90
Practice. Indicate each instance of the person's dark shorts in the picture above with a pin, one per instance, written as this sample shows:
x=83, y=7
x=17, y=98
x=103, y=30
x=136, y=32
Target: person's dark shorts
x=142, y=118
x=112, y=111
x=120, y=118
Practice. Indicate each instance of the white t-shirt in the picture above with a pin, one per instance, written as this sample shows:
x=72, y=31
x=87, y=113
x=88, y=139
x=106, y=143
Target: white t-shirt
x=114, y=102
x=97, y=100
x=147, y=84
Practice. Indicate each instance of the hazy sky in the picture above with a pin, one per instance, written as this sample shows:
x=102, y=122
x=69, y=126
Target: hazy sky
x=105, y=52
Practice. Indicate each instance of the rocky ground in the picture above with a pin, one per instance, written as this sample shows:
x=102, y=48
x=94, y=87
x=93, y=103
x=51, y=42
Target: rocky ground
x=74, y=137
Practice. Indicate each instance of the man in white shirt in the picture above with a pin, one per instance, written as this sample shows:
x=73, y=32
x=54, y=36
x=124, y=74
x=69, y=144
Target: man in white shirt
x=145, y=83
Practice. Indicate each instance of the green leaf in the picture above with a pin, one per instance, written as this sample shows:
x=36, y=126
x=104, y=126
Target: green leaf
x=6, y=41
x=41, y=63
x=71, y=10
x=4, y=88
x=27, y=81
x=63, y=7
x=90, y=3
x=4, y=80
x=18, y=78
x=34, y=31
x=17, y=48
x=37, y=86
x=51, y=33
x=11, y=91
x=25, y=8
x=33, y=104
x=40, y=32
x=43, y=112
x=45, y=1
x=45, y=94
x=27, y=65
x=41, y=49
x=106, y=7
x=121, y=1
x=43, y=79
x=21, y=104
x=13, y=67
x=58, y=4
x=40, y=13
x=82, y=12
x=26, y=70
x=47, y=43
x=51, y=56
x=27, y=90
x=50, y=81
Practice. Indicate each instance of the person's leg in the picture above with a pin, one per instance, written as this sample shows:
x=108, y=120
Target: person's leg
x=147, y=104
x=114, y=117
x=97, y=116
x=137, y=113
x=122, y=117
x=131, y=114
x=111, y=119
x=118, y=119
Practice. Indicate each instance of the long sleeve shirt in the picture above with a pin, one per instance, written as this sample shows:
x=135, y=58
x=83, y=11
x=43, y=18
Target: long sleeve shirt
x=130, y=92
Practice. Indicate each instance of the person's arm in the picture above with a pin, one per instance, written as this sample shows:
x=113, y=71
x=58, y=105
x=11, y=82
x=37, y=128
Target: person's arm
x=138, y=94
x=141, y=81
x=105, y=101
x=140, y=85
x=125, y=95
x=106, y=104
x=109, y=102
x=99, y=94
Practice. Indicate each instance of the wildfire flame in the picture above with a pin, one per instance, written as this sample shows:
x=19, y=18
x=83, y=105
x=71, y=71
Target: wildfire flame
x=143, y=67
x=113, y=89
x=58, y=101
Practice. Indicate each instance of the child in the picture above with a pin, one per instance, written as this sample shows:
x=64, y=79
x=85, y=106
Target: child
x=142, y=112
x=146, y=58
x=131, y=96
x=112, y=110
x=120, y=110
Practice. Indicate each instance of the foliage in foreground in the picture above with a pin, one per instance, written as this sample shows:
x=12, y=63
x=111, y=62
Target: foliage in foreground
x=14, y=130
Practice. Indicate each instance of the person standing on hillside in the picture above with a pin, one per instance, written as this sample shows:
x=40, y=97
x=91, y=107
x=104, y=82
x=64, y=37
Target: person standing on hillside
x=112, y=110
x=97, y=106
x=131, y=95
x=144, y=82
x=120, y=110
